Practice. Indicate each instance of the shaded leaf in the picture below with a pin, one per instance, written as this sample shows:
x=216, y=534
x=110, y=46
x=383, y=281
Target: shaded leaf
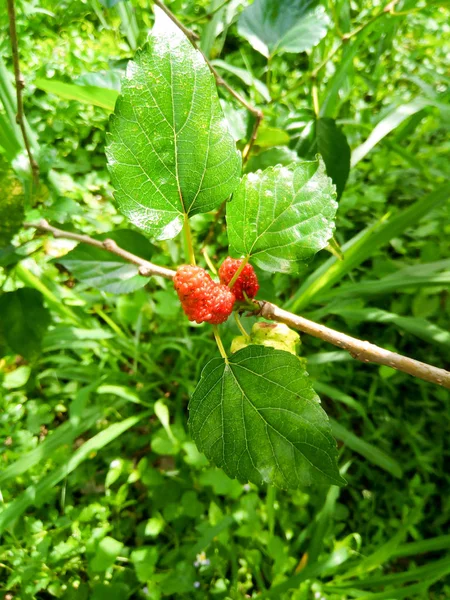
x=274, y=27
x=24, y=321
x=170, y=152
x=282, y=215
x=333, y=146
x=258, y=417
x=246, y=77
x=105, y=271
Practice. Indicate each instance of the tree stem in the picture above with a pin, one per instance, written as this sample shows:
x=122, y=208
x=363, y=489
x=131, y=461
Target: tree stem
x=239, y=271
x=219, y=343
x=190, y=254
x=240, y=326
x=358, y=349
x=20, y=117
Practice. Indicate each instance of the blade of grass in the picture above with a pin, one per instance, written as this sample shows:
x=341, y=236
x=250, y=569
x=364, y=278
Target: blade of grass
x=369, y=451
x=436, y=569
x=362, y=247
x=435, y=544
x=395, y=118
x=87, y=94
x=37, y=493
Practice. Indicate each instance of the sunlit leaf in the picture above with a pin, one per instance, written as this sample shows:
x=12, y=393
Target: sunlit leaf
x=283, y=215
x=170, y=152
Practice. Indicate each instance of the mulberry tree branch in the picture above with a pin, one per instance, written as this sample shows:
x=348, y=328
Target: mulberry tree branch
x=358, y=349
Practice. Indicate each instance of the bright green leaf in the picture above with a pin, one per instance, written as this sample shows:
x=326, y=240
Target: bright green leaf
x=282, y=215
x=107, y=552
x=271, y=136
x=87, y=94
x=258, y=417
x=279, y=155
x=11, y=206
x=170, y=152
x=144, y=561
x=274, y=27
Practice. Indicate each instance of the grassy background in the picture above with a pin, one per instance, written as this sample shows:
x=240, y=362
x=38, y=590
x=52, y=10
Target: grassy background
x=103, y=493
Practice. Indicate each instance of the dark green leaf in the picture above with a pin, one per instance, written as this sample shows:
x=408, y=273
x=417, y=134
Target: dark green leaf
x=170, y=152
x=24, y=321
x=282, y=215
x=274, y=27
x=99, y=268
x=258, y=417
x=333, y=146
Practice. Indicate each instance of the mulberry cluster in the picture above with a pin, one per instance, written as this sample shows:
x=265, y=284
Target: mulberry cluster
x=202, y=299
x=246, y=282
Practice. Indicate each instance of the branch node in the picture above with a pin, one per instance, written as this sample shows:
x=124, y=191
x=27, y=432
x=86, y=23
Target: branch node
x=110, y=245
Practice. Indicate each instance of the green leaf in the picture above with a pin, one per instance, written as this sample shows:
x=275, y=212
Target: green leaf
x=107, y=552
x=268, y=137
x=24, y=321
x=144, y=560
x=170, y=152
x=100, y=269
x=11, y=207
x=282, y=215
x=246, y=77
x=274, y=27
x=333, y=146
x=87, y=94
x=279, y=155
x=258, y=417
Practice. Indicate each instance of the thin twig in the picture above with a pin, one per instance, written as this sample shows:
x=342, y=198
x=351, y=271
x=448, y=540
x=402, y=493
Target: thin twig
x=360, y=350
x=20, y=84
x=146, y=268
x=208, y=16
